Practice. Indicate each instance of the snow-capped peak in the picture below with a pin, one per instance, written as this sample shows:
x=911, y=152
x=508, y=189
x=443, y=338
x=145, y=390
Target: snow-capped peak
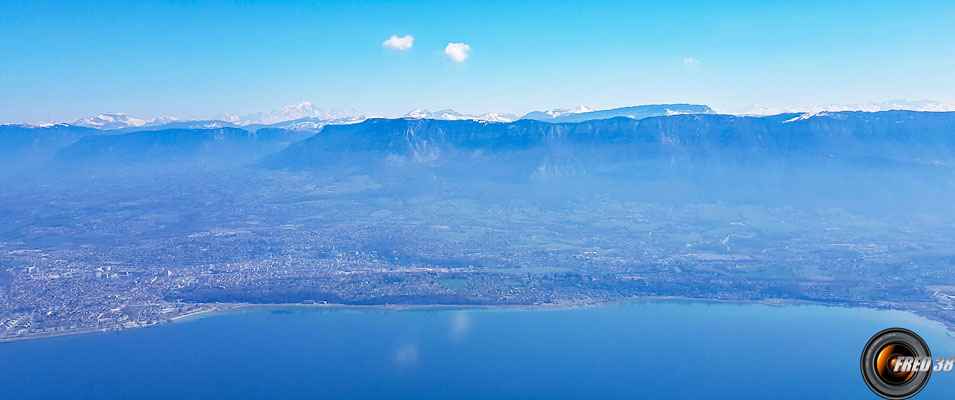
x=806, y=116
x=302, y=106
x=565, y=111
x=418, y=113
x=163, y=120
x=447, y=114
x=496, y=117
x=226, y=117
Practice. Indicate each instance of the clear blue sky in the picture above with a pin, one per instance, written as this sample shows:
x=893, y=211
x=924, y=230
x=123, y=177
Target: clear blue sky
x=65, y=60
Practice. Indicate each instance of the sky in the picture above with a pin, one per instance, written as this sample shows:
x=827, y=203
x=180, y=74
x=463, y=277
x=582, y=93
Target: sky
x=65, y=60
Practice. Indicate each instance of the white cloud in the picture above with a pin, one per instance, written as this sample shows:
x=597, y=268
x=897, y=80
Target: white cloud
x=690, y=61
x=457, y=52
x=399, y=43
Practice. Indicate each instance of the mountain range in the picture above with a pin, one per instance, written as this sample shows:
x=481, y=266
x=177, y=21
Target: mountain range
x=827, y=158
x=906, y=137
x=451, y=115
x=894, y=136
x=307, y=117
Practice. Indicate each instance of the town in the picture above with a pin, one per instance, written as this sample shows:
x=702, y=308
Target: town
x=96, y=272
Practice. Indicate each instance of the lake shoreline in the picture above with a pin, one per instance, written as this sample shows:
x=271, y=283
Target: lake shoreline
x=223, y=308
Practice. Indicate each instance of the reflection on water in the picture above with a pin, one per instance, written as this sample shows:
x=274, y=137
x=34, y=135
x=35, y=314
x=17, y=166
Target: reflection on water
x=460, y=325
x=407, y=355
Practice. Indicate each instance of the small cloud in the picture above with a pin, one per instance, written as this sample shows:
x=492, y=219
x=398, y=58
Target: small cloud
x=690, y=61
x=457, y=52
x=399, y=43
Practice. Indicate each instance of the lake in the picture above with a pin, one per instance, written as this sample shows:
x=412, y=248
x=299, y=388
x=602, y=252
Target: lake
x=644, y=349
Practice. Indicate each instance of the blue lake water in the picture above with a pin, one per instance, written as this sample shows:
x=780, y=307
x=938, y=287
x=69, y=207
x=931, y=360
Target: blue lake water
x=659, y=349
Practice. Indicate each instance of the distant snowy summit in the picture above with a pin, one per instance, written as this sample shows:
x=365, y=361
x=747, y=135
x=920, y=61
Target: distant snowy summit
x=302, y=110
x=451, y=115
